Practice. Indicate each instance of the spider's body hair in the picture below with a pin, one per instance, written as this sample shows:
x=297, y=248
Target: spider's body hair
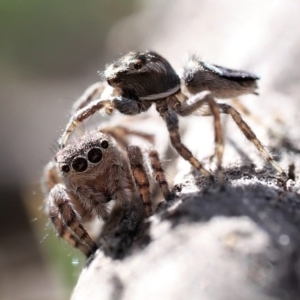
x=100, y=182
x=224, y=83
x=143, y=76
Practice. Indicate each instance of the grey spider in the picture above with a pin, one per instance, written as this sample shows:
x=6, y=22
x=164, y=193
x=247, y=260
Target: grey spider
x=141, y=79
x=90, y=172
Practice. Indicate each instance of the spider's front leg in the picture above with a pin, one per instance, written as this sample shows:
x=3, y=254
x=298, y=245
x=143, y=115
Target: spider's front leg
x=81, y=115
x=172, y=122
x=63, y=215
x=122, y=104
x=66, y=220
x=52, y=186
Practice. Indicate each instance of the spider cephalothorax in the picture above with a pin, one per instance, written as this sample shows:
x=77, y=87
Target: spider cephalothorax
x=141, y=79
x=143, y=76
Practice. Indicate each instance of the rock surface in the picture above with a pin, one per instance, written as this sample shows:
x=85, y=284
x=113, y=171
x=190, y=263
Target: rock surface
x=241, y=243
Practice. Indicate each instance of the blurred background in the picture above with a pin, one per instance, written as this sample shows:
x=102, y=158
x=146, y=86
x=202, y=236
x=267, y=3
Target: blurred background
x=50, y=51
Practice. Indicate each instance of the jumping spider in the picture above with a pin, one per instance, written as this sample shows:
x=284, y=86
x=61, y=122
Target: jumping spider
x=140, y=79
x=90, y=172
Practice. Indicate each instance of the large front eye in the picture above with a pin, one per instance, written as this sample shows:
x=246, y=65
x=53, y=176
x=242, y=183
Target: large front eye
x=94, y=155
x=79, y=164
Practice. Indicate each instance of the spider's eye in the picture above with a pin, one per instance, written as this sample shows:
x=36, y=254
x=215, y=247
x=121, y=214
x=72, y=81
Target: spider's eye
x=79, y=164
x=94, y=155
x=104, y=144
x=137, y=65
x=65, y=168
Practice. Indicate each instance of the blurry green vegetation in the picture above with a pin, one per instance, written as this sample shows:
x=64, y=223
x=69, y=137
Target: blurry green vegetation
x=61, y=259
x=56, y=38
x=65, y=262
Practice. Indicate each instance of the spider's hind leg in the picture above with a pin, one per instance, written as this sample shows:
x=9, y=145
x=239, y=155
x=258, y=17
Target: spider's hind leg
x=250, y=135
x=187, y=108
x=239, y=106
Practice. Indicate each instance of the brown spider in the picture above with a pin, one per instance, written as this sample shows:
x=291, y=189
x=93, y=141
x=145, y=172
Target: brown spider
x=140, y=79
x=90, y=172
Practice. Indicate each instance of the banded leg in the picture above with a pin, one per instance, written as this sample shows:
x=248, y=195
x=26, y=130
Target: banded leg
x=123, y=105
x=140, y=176
x=219, y=145
x=82, y=114
x=119, y=133
x=88, y=95
x=50, y=180
x=245, y=111
x=209, y=106
x=171, y=119
x=67, y=222
x=63, y=232
x=250, y=135
x=159, y=174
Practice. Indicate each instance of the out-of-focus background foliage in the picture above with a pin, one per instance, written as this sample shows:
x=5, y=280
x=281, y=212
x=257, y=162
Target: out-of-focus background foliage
x=50, y=51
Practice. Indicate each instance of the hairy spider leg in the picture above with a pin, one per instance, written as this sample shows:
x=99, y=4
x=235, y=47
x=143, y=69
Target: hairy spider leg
x=140, y=176
x=250, y=135
x=63, y=216
x=120, y=133
x=238, y=105
x=82, y=115
x=172, y=122
x=91, y=92
x=194, y=103
x=159, y=174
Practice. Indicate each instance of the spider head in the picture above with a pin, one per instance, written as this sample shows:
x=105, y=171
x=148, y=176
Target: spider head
x=142, y=73
x=83, y=156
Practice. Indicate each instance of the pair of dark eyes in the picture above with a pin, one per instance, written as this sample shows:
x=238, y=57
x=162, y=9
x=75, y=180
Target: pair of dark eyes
x=80, y=164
